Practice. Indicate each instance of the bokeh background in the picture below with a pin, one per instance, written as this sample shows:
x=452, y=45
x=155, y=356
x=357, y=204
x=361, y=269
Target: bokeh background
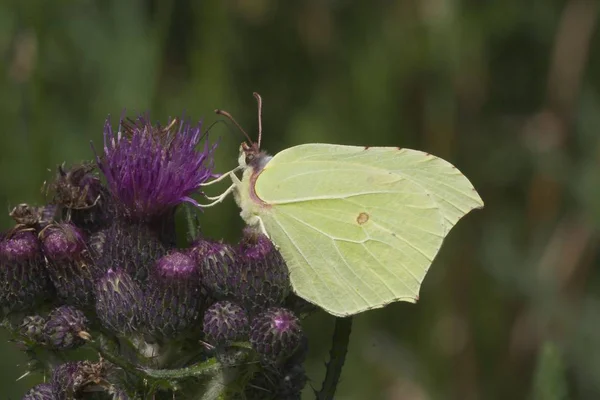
x=508, y=91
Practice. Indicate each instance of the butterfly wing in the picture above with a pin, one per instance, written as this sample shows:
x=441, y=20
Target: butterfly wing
x=359, y=227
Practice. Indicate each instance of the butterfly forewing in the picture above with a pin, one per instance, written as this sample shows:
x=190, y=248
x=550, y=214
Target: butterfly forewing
x=356, y=235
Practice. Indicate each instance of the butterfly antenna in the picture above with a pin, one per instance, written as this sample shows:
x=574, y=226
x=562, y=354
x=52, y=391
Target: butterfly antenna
x=259, y=101
x=226, y=114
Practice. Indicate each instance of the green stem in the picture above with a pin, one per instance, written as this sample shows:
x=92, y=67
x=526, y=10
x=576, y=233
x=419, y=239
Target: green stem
x=337, y=357
x=114, y=359
x=208, y=367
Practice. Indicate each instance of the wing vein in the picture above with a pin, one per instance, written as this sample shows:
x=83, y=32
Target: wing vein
x=316, y=273
x=336, y=269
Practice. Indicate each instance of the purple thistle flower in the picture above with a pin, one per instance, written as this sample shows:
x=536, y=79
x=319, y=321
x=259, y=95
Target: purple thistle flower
x=43, y=391
x=225, y=322
x=262, y=279
x=70, y=266
x=63, y=242
x=66, y=328
x=24, y=281
x=119, y=301
x=173, y=296
x=133, y=246
x=276, y=335
x=218, y=263
x=151, y=169
x=65, y=377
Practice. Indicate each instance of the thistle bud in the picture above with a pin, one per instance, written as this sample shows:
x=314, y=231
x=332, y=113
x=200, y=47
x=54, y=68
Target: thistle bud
x=32, y=328
x=173, y=298
x=43, y=391
x=262, y=279
x=24, y=281
x=119, y=302
x=63, y=242
x=225, y=322
x=218, y=266
x=70, y=266
x=70, y=379
x=135, y=247
x=275, y=335
x=66, y=328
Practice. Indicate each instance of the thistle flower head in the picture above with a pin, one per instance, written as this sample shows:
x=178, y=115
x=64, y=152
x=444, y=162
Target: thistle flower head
x=70, y=266
x=66, y=328
x=23, y=277
x=173, y=297
x=64, y=379
x=176, y=265
x=276, y=334
x=132, y=246
x=262, y=278
x=225, y=322
x=255, y=245
x=218, y=264
x=151, y=169
x=119, y=301
x=63, y=241
x=43, y=391
x=70, y=379
x=19, y=247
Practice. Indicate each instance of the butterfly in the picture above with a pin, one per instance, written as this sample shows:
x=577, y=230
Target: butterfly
x=358, y=227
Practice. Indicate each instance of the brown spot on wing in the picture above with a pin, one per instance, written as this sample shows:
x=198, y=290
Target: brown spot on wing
x=362, y=218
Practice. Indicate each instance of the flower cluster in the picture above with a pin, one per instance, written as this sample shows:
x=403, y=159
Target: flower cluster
x=99, y=267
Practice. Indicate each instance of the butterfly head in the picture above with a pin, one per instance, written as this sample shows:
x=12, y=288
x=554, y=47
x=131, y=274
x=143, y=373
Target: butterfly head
x=251, y=156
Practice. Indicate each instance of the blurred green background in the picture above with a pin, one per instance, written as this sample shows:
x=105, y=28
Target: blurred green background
x=508, y=91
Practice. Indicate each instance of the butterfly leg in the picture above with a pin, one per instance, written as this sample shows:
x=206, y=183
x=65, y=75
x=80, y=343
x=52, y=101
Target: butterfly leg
x=222, y=177
x=222, y=195
x=217, y=199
